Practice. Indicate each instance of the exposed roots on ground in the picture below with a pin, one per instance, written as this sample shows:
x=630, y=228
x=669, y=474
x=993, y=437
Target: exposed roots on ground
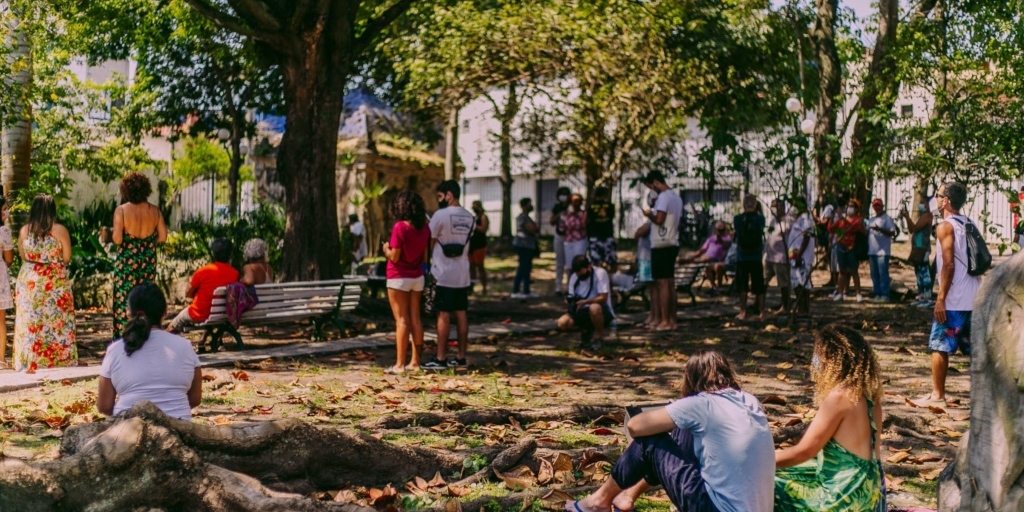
x=579, y=414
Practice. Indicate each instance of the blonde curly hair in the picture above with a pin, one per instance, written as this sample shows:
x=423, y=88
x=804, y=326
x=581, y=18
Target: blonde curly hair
x=848, y=362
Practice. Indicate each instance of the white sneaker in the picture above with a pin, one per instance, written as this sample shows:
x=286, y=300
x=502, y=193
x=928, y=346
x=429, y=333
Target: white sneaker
x=518, y=296
x=838, y=297
x=860, y=298
x=531, y=296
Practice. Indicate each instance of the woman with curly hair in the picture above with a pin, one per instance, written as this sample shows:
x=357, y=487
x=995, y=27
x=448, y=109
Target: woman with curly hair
x=138, y=228
x=406, y=253
x=835, y=466
x=711, y=450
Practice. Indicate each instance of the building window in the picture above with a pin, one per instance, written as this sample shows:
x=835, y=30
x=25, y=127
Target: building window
x=906, y=110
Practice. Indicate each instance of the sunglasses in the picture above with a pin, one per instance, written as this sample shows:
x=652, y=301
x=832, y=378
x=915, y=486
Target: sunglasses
x=941, y=196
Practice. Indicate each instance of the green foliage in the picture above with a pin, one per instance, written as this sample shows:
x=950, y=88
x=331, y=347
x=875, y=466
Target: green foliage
x=192, y=243
x=88, y=256
x=203, y=158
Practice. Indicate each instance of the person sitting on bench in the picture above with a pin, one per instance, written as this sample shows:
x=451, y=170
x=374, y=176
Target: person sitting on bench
x=711, y=450
x=204, y=282
x=590, y=301
x=713, y=252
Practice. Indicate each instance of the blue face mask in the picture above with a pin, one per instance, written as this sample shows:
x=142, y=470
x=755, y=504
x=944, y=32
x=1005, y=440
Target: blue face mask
x=921, y=208
x=815, y=364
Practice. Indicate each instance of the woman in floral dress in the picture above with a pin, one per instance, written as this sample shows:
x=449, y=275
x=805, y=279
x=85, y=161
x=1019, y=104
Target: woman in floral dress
x=44, y=328
x=138, y=228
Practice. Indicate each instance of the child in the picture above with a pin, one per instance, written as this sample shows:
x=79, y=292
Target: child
x=835, y=466
x=203, y=283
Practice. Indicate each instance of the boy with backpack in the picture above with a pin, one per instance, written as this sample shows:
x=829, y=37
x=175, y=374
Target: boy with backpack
x=749, y=228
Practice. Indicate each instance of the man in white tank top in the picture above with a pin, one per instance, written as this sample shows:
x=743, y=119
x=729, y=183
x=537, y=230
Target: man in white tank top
x=951, y=329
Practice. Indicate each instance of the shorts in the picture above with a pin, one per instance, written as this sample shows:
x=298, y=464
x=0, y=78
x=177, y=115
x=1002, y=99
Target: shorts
x=954, y=334
x=477, y=257
x=603, y=250
x=752, y=271
x=182, y=321
x=582, y=320
x=780, y=271
x=663, y=262
x=450, y=300
x=800, y=276
x=407, y=284
x=847, y=258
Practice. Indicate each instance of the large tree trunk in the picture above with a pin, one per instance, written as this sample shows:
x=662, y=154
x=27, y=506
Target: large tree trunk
x=17, y=135
x=826, y=146
x=993, y=477
x=313, y=83
x=507, y=116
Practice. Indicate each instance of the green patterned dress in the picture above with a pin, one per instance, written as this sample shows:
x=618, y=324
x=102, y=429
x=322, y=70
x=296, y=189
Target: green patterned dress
x=834, y=480
x=135, y=264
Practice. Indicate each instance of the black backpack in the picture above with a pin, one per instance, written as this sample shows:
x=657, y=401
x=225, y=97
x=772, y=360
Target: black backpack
x=749, y=236
x=979, y=259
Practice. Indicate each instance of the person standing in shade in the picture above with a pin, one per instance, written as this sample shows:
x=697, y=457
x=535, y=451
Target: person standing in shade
x=478, y=246
x=601, y=230
x=801, y=254
x=138, y=229
x=921, y=247
x=776, y=254
x=881, y=231
x=574, y=220
x=451, y=228
x=556, y=220
x=749, y=227
x=406, y=253
x=359, y=248
x=525, y=245
x=664, y=217
x=845, y=231
x=951, y=329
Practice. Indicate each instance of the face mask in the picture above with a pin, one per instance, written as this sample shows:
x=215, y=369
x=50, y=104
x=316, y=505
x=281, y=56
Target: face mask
x=562, y=199
x=851, y=211
x=922, y=208
x=442, y=204
x=815, y=364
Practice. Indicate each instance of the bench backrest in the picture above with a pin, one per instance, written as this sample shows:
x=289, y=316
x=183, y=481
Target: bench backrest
x=292, y=301
x=687, y=274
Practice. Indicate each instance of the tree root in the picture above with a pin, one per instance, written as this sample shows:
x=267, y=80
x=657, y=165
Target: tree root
x=138, y=464
x=286, y=455
x=580, y=414
x=503, y=462
x=514, y=500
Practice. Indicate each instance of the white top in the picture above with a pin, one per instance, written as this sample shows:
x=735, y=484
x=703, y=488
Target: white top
x=965, y=286
x=602, y=284
x=803, y=224
x=734, y=444
x=878, y=243
x=451, y=225
x=775, y=244
x=357, y=229
x=160, y=372
x=670, y=203
x=6, y=244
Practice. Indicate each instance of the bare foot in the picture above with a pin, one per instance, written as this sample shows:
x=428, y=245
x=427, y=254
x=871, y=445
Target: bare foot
x=584, y=505
x=742, y=316
x=413, y=366
x=780, y=311
x=395, y=370
x=623, y=502
x=763, y=316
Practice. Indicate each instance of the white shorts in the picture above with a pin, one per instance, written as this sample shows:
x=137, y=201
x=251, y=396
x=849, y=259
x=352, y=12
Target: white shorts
x=406, y=284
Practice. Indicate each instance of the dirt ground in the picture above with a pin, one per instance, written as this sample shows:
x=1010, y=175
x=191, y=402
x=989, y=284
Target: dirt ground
x=546, y=371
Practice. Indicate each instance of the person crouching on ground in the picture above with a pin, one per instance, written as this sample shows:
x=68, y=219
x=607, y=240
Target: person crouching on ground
x=147, y=364
x=590, y=302
x=711, y=450
x=203, y=283
x=835, y=466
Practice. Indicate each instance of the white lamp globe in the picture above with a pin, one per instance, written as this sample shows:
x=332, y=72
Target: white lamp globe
x=223, y=134
x=243, y=149
x=793, y=105
x=807, y=126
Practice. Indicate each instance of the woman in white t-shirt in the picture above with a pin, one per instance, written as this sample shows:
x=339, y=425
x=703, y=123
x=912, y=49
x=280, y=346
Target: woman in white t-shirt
x=148, y=363
x=711, y=450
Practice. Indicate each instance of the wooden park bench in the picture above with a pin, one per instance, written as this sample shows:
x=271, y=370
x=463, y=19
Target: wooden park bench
x=320, y=301
x=687, y=276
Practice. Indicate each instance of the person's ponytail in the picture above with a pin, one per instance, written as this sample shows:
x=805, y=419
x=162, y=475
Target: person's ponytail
x=147, y=305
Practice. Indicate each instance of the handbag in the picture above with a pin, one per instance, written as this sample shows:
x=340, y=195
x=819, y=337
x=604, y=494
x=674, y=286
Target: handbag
x=917, y=255
x=666, y=234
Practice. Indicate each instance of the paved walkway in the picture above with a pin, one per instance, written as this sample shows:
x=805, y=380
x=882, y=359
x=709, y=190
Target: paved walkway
x=13, y=381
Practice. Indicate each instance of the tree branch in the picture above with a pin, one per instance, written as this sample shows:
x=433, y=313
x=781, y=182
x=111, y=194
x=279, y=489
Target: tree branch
x=258, y=12
x=225, y=20
x=378, y=24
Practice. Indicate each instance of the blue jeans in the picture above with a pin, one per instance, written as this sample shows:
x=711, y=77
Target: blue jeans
x=522, y=279
x=880, y=275
x=668, y=460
